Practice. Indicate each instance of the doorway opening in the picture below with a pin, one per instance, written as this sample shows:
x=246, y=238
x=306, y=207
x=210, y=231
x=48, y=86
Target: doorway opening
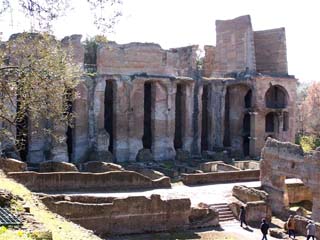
x=108, y=112
x=205, y=118
x=179, y=117
x=147, y=128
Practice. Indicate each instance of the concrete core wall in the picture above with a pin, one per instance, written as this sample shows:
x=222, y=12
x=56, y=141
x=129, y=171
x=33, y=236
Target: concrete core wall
x=270, y=51
x=281, y=160
x=132, y=58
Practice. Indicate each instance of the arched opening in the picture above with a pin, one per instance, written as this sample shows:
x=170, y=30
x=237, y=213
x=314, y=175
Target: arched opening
x=69, y=133
x=179, y=116
x=246, y=124
x=147, y=128
x=205, y=118
x=108, y=112
x=285, y=121
x=246, y=145
x=276, y=97
x=272, y=122
x=226, y=137
x=238, y=98
x=248, y=99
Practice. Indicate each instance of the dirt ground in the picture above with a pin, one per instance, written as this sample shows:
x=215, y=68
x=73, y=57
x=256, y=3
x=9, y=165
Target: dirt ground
x=227, y=231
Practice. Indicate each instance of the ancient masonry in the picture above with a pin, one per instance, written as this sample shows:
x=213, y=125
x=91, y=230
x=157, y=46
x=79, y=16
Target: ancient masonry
x=143, y=97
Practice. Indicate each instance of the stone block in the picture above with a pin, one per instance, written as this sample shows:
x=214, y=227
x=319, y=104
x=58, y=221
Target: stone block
x=255, y=211
x=144, y=155
x=182, y=155
x=277, y=233
x=53, y=166
x=12, y=165
x=97, y=167
x=247, y=194
x=101, y=156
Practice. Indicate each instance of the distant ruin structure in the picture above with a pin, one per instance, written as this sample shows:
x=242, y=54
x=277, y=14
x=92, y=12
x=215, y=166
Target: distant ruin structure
x=140, y=96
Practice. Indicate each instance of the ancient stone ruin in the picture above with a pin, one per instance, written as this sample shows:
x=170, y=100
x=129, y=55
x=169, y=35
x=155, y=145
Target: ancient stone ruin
x=143, y=102
x=285, y=160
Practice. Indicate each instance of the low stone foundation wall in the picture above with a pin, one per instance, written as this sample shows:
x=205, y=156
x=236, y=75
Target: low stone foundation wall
x=12, y=165
x=298, y=192
x=301, y=223
x=255, y=211
x=217, y=166
x=132, y=214
x=220, y=177
x=76, y=181
x=243, y=165
x=247, y=194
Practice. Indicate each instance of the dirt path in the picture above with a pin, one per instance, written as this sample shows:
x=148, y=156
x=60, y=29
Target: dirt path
x=212, y=193
x=227, y=231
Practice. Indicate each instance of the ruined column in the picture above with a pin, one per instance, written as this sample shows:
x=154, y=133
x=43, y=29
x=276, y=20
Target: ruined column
x=217, y=106
x=38, y=146
x=121, y=123
x=163, y=120
x=189, y=106
x=81, y=123
x=253, y=134
x=59, y=146
x=197, y=118
x=136, y=118
x=101, y=135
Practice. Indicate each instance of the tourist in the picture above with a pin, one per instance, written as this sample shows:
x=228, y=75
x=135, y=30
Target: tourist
x=311, y=230
x=242, y=216
x=291, y=227
x=264, y=227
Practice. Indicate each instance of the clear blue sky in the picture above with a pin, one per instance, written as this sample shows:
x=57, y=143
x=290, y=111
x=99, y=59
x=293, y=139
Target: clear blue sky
x=176, y=23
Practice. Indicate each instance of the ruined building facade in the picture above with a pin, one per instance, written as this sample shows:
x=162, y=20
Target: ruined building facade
x=144, y=97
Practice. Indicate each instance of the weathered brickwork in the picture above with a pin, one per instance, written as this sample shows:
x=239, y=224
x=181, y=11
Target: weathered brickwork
x=270, y=51
x=142, y=98
x=282, y=160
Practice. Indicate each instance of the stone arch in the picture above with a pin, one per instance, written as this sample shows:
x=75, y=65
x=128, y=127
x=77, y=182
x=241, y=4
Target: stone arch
x=271, y=122
x=248, y=99
x=276, y=97
x=238, y=98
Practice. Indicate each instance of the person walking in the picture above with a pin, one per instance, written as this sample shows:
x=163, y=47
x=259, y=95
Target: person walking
x=291, y=227
x=311, y=230
x=242, y=216
x=264, y=227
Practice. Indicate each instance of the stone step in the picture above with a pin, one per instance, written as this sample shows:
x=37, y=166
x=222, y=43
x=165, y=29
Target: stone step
x=226, y=219
x=222, y=208
x=225, y=213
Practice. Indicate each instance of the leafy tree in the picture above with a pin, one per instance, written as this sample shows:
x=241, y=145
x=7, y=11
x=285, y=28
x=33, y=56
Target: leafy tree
x=34, y=83
x=42, y=13
x=37, y=75
x=311, y=106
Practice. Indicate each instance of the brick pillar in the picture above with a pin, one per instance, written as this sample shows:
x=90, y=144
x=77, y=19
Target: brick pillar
x=163, y=120
x=136, y=118
x=188, y=129
x=121, y=124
